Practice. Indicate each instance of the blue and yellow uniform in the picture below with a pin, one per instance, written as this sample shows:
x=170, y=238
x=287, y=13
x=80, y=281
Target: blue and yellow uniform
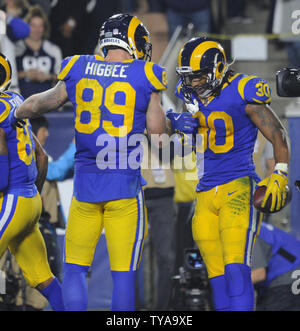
x=225, y=223
x=110, y=102
x=20, y=203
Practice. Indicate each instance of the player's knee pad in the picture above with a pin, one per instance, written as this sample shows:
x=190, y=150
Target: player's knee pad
x=238, y=277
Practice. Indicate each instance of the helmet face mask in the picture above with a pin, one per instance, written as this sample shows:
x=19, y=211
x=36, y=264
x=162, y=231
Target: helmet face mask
x=202, y=66
x=126, y=32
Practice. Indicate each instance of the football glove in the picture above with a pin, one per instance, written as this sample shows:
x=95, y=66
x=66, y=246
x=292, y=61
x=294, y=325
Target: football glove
x=190, y=100
x=183, y=122
x=276, y=184
x=14, y=121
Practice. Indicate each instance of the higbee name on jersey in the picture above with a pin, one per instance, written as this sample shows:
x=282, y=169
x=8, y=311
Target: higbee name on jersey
x=109, y=98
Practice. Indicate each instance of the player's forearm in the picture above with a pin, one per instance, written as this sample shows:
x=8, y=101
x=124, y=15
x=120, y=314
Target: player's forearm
x=44, y=102
x=34, y=106
x=169, y=129
x=4, y=161
x=271, y=127
x=27, y=109
x=280, y=147
x=41, y=164
x=258, y=275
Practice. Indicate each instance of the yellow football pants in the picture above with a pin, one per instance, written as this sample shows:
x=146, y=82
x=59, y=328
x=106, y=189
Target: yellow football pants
x=19, y=231
x=124, y=222
x=225, y=225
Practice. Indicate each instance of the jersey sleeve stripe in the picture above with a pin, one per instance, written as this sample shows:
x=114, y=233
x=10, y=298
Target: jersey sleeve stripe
x=6, y=112
x=152, y=78
x=263, y=101
x=98, y=57
x=68, y=67
x=242, y=84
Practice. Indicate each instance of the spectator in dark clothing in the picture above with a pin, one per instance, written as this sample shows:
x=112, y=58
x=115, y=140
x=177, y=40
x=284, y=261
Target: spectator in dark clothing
x=129, y=6
x=66, y=23
x=236, y=12
x=189, y=11
x=95, y=14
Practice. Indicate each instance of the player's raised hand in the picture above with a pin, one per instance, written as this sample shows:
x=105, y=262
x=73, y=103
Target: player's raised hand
x=14, y=121
x=276, y=186
x=183, y=122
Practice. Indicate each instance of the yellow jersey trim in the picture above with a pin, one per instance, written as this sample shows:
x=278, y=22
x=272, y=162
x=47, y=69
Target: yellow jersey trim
x=68, y=67
x=263, y=101
x=6, y=112
x=152, y=78
x=242, y=84
x=99, y=57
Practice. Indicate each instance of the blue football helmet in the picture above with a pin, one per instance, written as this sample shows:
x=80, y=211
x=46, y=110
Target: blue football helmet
x=201, y=57
x=127, y=32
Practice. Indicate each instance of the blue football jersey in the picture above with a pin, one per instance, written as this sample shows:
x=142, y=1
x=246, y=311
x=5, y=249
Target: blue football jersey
x=227, y=134
x=110, y=102
x=21, y=149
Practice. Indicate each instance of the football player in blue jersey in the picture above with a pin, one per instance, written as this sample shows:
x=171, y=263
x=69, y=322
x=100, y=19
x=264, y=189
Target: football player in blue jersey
x=114, y=97
x=23, y=165
x=228, y=109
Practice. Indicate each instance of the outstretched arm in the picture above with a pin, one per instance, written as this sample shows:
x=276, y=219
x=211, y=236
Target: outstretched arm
x=41, y=103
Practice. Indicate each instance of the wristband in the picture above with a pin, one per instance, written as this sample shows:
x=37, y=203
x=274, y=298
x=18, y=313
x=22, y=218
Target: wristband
x=281, y=167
